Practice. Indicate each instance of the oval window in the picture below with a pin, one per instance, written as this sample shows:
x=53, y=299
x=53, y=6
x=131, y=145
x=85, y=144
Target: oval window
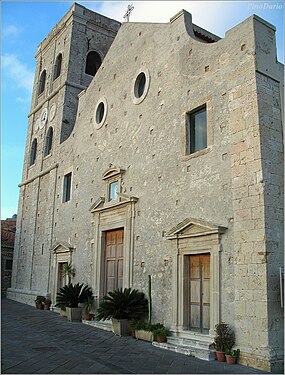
x=100, y=113
x=140, y=85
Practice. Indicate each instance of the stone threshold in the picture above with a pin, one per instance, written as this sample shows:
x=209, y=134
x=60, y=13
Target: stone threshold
x=106, y=326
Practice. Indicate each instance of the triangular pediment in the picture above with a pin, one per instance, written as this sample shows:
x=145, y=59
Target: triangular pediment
x=99, y=203
x=194, y=227
x=62, y=247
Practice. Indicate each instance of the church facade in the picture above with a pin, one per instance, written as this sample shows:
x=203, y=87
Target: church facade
x=157, y=149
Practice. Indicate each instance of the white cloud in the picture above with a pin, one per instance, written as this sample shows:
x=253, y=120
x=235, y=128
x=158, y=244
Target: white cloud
x=18, y=72
x=215, y=16
x=10, y=31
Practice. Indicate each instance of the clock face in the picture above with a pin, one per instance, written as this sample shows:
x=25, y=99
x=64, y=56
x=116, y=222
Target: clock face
x=52, y=112
x=37, y=125
x=43, y=118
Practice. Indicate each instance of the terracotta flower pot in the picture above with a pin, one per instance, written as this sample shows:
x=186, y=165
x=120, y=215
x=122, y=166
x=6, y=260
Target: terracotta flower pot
x=87, y=316
x=231, y=360
x=39, y=306
x=161, y=338
x=220, y=356
x=133, y=333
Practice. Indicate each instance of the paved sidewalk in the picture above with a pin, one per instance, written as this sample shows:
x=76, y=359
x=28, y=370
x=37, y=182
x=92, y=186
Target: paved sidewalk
x=39, y=341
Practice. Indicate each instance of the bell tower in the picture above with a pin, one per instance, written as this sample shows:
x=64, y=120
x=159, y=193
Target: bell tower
x=66, y=62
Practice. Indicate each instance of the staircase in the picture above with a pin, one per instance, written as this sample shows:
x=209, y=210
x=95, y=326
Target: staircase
x=192, y=344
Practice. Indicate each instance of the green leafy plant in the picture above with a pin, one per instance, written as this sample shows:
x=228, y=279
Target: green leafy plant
x=61, y=306
x=71, y=295
x=233, y=353
x=136, y=324
x=68, y=270
x=160, y=334
x=162, y=331
x=146, y=326
x=39, y=300
x=89, y=303
x=225, y=337
x=122, y=304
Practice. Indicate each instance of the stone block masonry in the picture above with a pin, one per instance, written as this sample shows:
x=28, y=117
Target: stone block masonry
x=204, y=222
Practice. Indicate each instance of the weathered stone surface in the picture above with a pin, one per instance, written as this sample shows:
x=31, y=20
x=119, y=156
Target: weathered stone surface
x=228, y=195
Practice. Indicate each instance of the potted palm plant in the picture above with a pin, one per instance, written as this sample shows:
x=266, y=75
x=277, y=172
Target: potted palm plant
x=224, y=340
x=88, y=307
x=69, y=271
x=70, y=296
x=122, y=306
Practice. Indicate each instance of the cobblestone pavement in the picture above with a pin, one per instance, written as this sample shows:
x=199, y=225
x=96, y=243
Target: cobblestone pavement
x=43, y=342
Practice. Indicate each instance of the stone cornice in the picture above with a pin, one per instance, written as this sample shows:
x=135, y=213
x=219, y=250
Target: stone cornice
x=42, y=173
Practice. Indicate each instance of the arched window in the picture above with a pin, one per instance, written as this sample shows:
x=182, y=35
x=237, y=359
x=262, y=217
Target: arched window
x=42, y=82
x=93, y=63
x=57, y=66
x=48, y=144
x=33, y=152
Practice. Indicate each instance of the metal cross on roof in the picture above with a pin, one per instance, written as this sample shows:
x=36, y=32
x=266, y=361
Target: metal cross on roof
x=129, y=10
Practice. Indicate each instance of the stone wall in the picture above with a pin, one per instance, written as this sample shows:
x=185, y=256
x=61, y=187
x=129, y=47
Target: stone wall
x=232, y=183
x=8, y=229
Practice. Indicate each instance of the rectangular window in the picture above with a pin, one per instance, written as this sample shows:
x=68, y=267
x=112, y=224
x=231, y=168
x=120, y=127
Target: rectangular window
x=9, y=263
x=66, y=187
x=196, y=130
x=113, y=189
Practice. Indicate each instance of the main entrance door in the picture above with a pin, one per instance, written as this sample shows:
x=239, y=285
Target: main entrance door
x=114, y=258
x=199, y=293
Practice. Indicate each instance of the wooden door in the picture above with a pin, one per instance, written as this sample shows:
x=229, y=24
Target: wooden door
x=199, y=293
x=114, y=258
x=61, y=275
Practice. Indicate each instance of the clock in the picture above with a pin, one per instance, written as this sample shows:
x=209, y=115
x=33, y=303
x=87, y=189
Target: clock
x=52, y=112
x=37, y=125
x=43, y=118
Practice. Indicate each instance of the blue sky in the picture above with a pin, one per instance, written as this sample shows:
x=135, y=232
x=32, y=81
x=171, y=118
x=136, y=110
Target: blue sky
x=25, y=24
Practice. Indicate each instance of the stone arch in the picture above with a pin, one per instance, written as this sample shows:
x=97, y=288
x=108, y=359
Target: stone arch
x=57, y=66
x=93, y=62
x=42, y=82
x=33, y=153
x=49, y=140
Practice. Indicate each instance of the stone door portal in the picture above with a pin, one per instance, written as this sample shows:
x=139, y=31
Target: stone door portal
x=199, y=293
x=61, y=275
x=114, y=259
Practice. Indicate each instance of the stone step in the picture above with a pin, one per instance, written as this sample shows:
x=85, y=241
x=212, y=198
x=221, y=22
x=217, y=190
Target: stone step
x=205, y=354
x=106, y=326
x=194, y=341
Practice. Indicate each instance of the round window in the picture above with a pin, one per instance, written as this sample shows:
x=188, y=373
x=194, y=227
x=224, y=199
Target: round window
x=140, y=85
x=100, y=112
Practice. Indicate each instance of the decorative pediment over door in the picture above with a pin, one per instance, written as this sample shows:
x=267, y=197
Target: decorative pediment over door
x=61, y=253
x=196, y=243
x=62, y=247
x=194, y=227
